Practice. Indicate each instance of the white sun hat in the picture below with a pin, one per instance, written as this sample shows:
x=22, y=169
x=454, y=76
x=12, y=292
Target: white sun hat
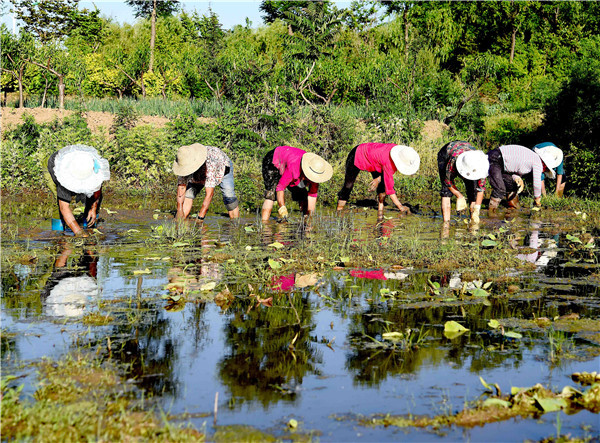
x=406, y=159
x=80, y=169
x=551, y=156
x=316, y=168
x=473, y=165
x=189, y=159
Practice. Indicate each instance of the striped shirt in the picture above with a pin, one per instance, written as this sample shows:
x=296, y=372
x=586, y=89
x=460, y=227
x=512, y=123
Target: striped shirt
x=520, y=161
x=453, y=150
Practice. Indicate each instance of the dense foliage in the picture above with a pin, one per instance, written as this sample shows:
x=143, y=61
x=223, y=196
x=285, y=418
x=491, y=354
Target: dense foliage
x=389, y=65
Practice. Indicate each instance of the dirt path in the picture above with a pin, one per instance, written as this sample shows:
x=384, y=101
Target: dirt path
x=98, y=122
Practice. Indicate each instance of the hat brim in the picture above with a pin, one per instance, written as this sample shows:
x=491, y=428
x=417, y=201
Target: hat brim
x=85, y=186
x=198, y=158
x=401, y=166
x=313, y=174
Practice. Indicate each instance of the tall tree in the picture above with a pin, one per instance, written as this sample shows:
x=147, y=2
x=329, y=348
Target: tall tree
x=48, y=19
x=277, y=9
x=16, y=49
x=315, y=27
x=152, y=9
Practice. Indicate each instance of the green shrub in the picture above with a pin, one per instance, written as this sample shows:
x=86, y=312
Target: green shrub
x=141, y=156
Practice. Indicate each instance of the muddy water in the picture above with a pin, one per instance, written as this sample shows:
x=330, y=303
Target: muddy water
x=313, y=354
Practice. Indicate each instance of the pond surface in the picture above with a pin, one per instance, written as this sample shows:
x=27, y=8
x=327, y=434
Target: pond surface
x=274, y=351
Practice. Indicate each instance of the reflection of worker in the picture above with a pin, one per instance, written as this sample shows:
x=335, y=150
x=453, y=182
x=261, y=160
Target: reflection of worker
x=381, y=160
x=560, y=169
x=198, y=167
x=509, y=163
x=69, y=288
x=461, y=158
x=77, y=171
x=291, y=168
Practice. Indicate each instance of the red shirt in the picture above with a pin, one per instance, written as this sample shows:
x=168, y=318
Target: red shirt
x=375, y=157
x=288, y=161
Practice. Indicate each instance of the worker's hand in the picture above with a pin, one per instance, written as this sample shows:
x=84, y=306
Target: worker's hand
x=538, y=201
x=461, y=204
x=475, y=214
x=80, y=233
x=91, y=218
x=403, y=209
x=374, y=183
x=520, y=184
x=283, y=212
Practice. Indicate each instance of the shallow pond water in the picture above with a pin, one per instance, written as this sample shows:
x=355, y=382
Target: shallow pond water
x=276, y=347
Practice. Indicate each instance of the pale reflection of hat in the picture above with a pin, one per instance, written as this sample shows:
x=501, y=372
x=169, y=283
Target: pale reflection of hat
x=70, y=295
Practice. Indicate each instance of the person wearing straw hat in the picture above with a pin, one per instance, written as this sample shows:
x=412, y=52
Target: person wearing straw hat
x=508, y=165
x=382, y=160
x=461, y=158
x=77, y=171
x=198, y=166
x=540, y=149
x=286, y=167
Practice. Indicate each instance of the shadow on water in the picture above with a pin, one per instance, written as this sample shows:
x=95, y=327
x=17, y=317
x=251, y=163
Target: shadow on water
x=189, y=318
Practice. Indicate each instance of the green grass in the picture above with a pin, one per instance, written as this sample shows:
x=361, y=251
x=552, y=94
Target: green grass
x=78, y=399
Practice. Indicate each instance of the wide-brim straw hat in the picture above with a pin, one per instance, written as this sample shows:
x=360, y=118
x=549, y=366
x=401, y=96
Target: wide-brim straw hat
x=406, y=159
x=80, y=169
x=189, y=159
x=551, y=156
x=316, y=168
x=473, y=165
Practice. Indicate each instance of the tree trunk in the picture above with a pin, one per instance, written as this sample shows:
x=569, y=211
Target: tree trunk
x=61, y=92
x=44, y=96
x=152, y=36
x=405, y=20
x=20, y=80
x=512, y=45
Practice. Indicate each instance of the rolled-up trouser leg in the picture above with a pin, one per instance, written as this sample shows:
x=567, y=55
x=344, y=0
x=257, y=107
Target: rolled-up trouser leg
x=227, y=189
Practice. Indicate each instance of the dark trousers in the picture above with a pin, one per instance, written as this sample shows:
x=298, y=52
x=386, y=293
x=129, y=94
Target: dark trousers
x=470, y=185
x=501, y=181
x=351, y=175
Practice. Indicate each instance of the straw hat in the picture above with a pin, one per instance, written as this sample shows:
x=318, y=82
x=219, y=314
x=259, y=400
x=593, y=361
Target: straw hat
x=80, y=169
x=406, y=159
x=473, y=165
x=189, y=159
x=315, y=168
x=551, y=156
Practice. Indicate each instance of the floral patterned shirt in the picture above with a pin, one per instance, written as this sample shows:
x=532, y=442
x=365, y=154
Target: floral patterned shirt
x=216, y=164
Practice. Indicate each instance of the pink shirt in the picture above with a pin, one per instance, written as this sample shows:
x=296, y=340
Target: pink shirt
x=375, y=157
x=288, y=161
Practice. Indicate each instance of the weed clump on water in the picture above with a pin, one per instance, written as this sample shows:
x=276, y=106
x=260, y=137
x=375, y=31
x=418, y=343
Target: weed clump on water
x=79, y=398
x=521, y=402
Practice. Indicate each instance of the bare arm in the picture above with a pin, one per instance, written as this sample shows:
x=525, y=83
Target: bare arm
x=68, y=217
x=311, y=205
x=92, y=213
x=399, y=205
x=210, y=192
x=281, y=198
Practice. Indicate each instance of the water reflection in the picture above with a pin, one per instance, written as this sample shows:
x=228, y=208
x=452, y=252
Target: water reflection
x=71, y=285
x=268, y=351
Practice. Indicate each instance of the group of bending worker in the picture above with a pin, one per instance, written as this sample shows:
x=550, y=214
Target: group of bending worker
x=78, y=171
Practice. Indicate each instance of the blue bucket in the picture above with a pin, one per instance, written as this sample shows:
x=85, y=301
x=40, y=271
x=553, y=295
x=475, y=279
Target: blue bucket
x=58, y=226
